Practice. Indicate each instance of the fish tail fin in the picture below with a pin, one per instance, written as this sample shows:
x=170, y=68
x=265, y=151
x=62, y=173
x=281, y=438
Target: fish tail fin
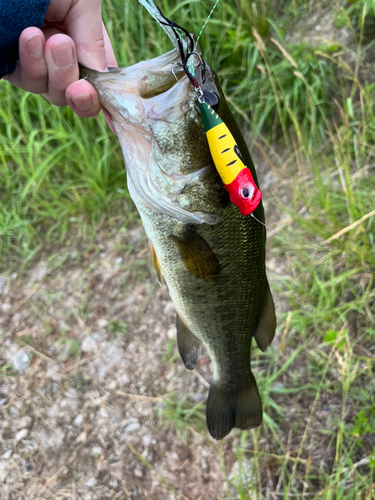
x=228, y=408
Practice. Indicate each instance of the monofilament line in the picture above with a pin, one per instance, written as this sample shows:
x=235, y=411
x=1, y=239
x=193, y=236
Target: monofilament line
x=260, y=222
x=208, y=18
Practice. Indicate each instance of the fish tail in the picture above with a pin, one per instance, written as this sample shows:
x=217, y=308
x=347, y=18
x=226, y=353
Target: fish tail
x=228, y=408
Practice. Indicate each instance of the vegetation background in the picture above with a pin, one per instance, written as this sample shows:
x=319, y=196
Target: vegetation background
x=300, y=77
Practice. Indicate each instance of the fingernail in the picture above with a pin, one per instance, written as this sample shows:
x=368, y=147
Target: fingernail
x=82, y=101
x=34, y=45
x=62, y=54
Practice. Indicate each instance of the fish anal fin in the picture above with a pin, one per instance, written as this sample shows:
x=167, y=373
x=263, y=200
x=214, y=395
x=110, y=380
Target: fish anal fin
x=155, y=264
x=188, y=345
x=228, y=408
x=197, y=256
x=265, y=329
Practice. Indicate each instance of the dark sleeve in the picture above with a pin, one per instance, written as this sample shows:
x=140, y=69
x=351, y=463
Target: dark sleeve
x=15, y=16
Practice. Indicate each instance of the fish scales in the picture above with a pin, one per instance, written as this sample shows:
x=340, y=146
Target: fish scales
x=211, y=257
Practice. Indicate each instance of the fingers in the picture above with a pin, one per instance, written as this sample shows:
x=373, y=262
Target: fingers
x=83, y=99
x=31, y=72
x=64, y=86
x=109, y=54
x=84, y=25
x=61, y=59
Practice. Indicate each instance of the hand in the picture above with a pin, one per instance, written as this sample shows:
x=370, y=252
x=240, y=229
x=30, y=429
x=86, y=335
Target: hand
x=48, y=63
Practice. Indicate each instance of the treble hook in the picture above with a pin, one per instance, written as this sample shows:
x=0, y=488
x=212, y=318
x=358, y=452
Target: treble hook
x=176, y=64
x=196, y=54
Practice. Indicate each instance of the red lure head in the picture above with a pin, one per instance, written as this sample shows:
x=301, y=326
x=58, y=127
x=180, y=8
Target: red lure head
x=244, y=193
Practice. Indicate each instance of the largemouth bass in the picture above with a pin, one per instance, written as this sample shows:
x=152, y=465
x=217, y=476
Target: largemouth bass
x=211, y=257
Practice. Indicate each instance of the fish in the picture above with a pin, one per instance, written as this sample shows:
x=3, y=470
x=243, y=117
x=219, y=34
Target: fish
x=210, y=255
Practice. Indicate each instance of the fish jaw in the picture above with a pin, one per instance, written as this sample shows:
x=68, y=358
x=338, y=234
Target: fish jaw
x=161, y=136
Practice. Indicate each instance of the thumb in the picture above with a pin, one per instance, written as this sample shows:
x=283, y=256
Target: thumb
x=84, y=25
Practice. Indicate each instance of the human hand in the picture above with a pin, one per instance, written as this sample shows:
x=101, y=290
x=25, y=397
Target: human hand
x=48, y=58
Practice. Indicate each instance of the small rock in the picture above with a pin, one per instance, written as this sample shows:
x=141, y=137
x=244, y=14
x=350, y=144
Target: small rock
x=81, y=437
x=88, y=344
x=146, y=440
x=21, y=423
x=103, y=413
x=7, y=454
x=102, y=323
x=72, y=392
x=3, y=282
x=118, y=260
x=96, y=450
x=138, y=472
x=133, y=426
x=91, y=482
x=169, y=308
x=124, y=379
x=4, y=470
x=171, y=333
x=102, y=255
x=21, y=434
x=78, y=420
x=3, y=401
x=41, y=271
x=20, y=360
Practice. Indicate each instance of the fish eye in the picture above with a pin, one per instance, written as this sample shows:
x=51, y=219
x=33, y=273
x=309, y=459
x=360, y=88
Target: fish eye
x=245, y=193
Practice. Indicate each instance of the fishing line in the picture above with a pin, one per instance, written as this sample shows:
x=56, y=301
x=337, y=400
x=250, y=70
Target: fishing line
x=260, y=222
x=208, y=18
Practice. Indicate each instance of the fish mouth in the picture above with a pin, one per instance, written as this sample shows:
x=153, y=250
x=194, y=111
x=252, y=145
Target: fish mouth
x=161, y=135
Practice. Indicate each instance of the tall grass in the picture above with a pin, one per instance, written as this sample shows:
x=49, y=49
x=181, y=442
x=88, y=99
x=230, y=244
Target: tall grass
x=312, y=115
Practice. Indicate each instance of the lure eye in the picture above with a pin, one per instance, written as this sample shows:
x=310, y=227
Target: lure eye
x=247, y=192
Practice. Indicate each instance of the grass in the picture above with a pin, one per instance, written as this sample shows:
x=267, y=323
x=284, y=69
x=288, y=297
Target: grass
x=312, y=114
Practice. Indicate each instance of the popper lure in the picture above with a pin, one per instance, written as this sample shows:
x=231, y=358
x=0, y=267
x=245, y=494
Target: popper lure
x=236, y=176
x=226, y=155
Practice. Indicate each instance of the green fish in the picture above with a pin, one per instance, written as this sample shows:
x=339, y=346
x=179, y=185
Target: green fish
x=211, y=257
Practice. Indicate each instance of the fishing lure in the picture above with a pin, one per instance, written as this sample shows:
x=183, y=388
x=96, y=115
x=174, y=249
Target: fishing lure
x=236, y=176
x=226, y=155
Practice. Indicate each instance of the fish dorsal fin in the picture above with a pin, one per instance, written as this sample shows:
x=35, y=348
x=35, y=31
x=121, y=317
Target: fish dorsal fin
x=265, y=329
x=197, y=256
x=188, y=345
x=155, y=264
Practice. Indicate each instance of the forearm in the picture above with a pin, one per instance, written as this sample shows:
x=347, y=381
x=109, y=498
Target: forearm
x=15, y=16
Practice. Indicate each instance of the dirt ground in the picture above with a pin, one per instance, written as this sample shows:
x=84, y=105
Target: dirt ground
x=88, y=352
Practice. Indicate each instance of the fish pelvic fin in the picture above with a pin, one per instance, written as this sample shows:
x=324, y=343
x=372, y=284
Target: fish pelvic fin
x=228, y=408
x=188, y=345
x=265, y=329
x=155, y=264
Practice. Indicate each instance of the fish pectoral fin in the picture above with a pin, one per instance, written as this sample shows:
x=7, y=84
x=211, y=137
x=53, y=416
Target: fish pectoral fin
x=265, y=329
x=197, y=256
x=155, y=264
x=188, y=345
x=227, y=408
